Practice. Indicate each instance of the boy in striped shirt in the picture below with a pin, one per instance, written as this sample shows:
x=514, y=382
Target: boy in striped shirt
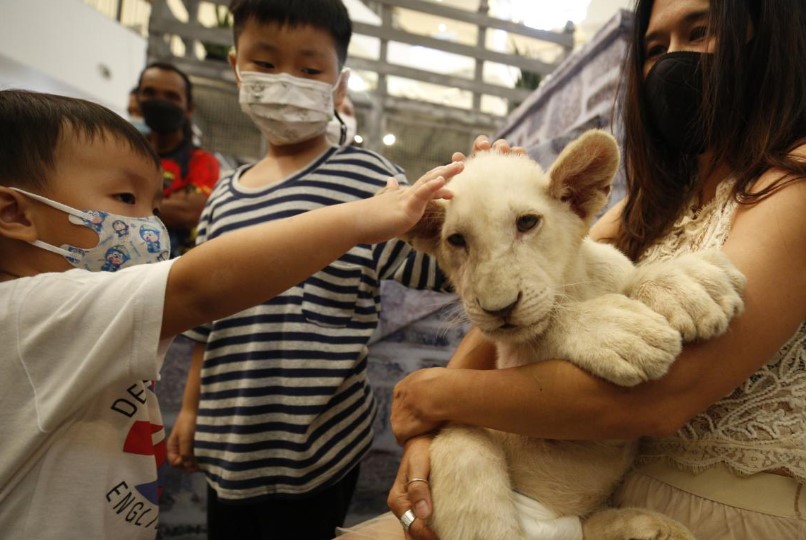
x=277, y=396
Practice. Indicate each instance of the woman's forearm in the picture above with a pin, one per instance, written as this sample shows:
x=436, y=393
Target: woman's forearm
x=532, y=400
x=474, y=352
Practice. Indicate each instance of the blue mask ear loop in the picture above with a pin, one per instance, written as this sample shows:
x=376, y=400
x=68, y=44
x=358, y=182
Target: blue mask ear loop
x=58, y=206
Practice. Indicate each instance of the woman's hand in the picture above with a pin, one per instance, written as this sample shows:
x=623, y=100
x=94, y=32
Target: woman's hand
x=482, y=144
x=411, y=490
x=410, y=407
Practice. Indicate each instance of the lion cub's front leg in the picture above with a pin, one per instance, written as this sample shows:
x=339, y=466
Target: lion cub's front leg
x=614, y=337
x=698, y=293
x=470, y=481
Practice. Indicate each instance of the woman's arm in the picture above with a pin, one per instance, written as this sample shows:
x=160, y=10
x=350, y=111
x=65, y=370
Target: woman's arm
x=554, y=399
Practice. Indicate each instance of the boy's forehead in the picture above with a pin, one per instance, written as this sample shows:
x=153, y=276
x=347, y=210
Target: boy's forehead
x=105, y=152
x=303, y=39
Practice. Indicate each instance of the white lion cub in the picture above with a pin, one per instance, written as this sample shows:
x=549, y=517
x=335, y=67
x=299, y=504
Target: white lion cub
x=513, y=241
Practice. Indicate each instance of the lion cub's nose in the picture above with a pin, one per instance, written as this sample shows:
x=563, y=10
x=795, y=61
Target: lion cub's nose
x=503, y=312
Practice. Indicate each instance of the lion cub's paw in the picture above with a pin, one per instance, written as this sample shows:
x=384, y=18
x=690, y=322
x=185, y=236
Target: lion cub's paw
x=698, y=293
x=633, y=524
x=616, y=338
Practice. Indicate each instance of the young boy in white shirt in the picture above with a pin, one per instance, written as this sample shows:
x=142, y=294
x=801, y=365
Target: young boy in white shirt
x=81, y=437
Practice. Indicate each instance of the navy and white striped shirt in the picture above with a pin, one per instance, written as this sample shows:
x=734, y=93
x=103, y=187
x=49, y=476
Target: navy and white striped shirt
x=285, y=407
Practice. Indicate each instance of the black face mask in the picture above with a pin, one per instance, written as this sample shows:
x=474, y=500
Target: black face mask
x=162, y=116
x=674, y=93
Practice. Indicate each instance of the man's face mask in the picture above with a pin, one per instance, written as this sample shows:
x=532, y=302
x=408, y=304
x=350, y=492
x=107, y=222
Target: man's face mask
x=286, y=109
x=674, y=93
x=123, y=241
x=162, y=116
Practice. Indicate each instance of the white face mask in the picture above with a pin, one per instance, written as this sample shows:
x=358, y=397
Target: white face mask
x=286, y=109
x=123, y=241
x=334, y=133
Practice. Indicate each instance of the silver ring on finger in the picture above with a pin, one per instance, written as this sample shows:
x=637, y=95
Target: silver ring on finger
x=407, y=519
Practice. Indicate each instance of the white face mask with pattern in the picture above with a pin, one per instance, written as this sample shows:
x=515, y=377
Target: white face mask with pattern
x=286, y=109
x=123, y=241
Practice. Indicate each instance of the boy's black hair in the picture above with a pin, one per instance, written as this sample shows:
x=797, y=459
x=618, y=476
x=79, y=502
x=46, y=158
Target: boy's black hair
x=31, y=127
x=328, y=15
x=167, y=66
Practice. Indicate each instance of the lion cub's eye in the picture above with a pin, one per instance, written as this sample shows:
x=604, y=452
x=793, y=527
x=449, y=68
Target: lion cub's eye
x=527, y=222
x=457, y=240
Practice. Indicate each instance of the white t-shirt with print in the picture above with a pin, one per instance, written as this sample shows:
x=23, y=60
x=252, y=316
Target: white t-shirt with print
x=81, y=436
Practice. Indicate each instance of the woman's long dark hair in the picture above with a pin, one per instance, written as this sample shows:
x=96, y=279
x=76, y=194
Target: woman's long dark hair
x=754, y=114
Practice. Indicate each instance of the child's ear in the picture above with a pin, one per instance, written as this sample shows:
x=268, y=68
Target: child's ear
x=233, y=62
x=341, y=90
x=16, y=222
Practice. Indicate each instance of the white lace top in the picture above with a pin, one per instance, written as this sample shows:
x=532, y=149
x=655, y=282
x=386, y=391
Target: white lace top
x=761, y=425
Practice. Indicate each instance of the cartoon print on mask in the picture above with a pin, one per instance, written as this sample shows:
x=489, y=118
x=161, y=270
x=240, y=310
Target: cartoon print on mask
x=151, y=236
x=95, y=219
x=115, y=257
x=120, y=227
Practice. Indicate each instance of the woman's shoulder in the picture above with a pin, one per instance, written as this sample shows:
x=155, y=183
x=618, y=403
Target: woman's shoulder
x=777, y=176
x=773, y=225
x=607, y=226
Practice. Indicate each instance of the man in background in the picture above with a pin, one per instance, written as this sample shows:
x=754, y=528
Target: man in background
x=165, y=100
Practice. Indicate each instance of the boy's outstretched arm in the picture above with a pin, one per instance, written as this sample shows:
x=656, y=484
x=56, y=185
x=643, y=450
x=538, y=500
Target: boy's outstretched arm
x=246, y=267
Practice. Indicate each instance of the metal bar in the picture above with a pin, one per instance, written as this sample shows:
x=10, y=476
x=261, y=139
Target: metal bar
x=440, y=10
x=438, y=79
x=481, y=43
x=478, y=19
x=486, y=55
x=224, y=36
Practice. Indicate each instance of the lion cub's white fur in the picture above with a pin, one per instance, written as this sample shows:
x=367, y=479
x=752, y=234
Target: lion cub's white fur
x=513, y=241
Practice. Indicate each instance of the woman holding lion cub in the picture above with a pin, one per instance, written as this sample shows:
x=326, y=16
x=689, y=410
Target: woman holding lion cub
x=715, y=154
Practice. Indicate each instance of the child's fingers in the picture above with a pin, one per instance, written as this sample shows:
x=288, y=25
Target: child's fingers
x=520, y=150
x=172, y=447
x=446, y=171
x=429, y=187
x=458, y=156
x=392, y=184
x=501, y=146
x=435, y=189
x=481, y=144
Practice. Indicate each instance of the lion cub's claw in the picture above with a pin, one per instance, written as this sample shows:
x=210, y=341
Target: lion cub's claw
x=698, y=293
x=633, y=524
x=616, y=338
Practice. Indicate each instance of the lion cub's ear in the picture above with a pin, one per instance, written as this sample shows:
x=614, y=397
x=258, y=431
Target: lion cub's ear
x=424, y=236
x=582, y=174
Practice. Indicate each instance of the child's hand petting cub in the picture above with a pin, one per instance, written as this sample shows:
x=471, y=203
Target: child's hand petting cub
x=395, y=209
